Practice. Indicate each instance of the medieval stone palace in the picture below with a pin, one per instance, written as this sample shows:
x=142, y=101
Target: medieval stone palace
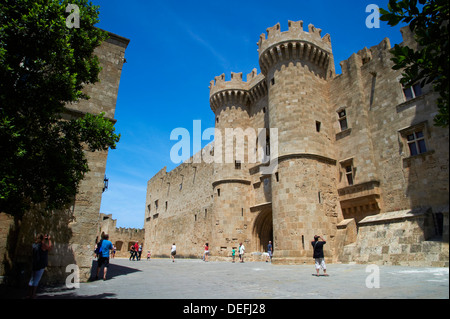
x=358, y=162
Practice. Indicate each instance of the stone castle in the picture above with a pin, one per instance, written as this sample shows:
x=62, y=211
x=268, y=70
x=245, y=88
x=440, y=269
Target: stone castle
x=359, y=162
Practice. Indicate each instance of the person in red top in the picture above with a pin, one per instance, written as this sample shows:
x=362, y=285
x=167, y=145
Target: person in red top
x=206, y=253
x=136, y=249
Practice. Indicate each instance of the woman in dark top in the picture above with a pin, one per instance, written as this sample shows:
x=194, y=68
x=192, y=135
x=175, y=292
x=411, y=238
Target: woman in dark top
x=318, y=254
x=41, y=248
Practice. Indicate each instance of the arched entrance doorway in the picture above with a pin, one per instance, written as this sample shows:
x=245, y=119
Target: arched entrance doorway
x=263, y=229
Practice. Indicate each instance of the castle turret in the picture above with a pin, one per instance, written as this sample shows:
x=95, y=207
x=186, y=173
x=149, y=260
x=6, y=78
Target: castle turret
x=230, y=101
x=297, y=66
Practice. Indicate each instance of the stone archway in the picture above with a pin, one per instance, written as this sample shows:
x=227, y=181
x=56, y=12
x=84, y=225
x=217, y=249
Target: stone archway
x=263, y=229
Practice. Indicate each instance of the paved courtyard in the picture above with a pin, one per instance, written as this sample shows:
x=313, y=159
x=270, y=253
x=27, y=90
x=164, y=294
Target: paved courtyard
x=195, y=279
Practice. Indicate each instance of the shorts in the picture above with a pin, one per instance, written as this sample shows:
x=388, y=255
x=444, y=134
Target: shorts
x=173, y=253
x=103, y=261
x=36, y=276
x=320, y=262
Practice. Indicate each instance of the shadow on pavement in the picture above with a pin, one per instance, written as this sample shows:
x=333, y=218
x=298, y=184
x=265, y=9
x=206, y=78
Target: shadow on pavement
x=114, y=270
x=73, y=295
x=62, y=292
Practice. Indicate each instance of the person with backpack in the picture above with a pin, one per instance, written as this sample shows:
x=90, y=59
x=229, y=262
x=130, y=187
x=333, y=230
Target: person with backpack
x=104, y=246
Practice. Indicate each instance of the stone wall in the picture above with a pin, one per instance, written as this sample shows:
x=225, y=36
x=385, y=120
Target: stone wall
x=122, y=238
x=398, y=238
x=75, y=229
x=179, y=210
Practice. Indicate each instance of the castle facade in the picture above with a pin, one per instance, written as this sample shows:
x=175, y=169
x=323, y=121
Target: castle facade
x=357, y=161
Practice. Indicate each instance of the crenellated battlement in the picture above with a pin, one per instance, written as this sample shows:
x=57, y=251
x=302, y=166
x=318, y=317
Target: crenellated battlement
x=236, y=89
x=295, y=43
x=220, y=84
x=295, y=32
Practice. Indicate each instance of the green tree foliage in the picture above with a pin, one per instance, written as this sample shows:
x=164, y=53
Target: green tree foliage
x=44, y=65
x=428, y=20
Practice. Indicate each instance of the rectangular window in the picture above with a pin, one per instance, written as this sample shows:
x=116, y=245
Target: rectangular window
x=412, y=92
x=416, y=143
x=343, y=120
x=414, y=139
x=267, y=145
x=349, y=174
x=237, y=164
x=156, y=204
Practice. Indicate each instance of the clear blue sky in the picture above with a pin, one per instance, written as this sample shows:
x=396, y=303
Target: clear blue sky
x=176, y=49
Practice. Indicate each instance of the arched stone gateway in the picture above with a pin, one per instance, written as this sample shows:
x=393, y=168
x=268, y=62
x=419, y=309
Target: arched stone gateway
x=263, y=229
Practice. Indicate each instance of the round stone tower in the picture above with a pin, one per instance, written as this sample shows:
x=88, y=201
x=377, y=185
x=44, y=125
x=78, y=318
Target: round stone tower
x=297, y=66
x=230, y=103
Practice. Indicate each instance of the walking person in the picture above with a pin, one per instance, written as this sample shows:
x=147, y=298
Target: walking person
x=206, y=252
x=317, y=244
x=269, y=252
x=41, y=247
x=140, y=252
x=233, y=254
x=136, y=251
x=173, y=252
x=103, y=259
x=132, y=252
x=241, y=252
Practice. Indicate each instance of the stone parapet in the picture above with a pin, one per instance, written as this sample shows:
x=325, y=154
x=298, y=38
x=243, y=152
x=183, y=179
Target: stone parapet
x=294, y=44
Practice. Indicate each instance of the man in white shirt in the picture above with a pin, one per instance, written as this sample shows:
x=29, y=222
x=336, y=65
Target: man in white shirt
x=241, y=252
x=173, y=252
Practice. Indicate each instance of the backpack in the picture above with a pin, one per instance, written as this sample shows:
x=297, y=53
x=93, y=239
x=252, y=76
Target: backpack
x=98, y=250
